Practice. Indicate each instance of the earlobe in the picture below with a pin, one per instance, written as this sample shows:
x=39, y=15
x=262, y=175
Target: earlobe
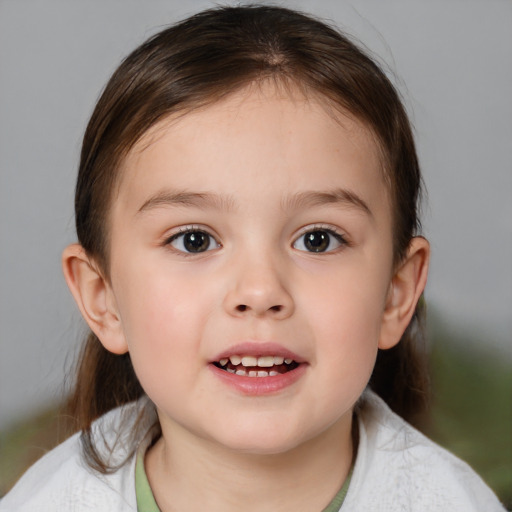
x=94, y=297
x=405, y=290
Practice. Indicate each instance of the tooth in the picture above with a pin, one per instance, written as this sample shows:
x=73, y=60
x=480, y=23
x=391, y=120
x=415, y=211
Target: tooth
x=241, y=372
x=236, y=360
x=248, y=361
x=253, y=373
x=262, y=373
x=278, y=360
x=223, y=362
x=273, y=373
x=288, y=361
x=230, y=370
x=266, y=361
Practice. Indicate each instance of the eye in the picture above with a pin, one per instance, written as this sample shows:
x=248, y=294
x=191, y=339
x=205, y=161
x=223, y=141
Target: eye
x=319, y=240
x=193, y=241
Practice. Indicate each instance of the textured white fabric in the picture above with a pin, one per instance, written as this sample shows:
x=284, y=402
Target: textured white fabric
x=397, y=469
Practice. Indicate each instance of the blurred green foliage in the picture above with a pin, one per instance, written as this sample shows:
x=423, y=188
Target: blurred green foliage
x=472, y=409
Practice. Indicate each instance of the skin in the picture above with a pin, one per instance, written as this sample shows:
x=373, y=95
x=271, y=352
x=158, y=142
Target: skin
x=259, y=155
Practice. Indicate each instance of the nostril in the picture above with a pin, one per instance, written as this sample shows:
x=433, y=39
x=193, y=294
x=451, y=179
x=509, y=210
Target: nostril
x=242, y=307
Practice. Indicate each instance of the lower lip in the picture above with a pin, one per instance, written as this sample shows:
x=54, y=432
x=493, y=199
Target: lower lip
x=258, y=386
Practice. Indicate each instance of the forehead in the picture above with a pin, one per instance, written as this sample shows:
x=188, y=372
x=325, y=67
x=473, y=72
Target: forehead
x=255, y=137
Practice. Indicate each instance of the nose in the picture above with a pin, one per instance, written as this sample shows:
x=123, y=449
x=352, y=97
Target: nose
x=257, y=289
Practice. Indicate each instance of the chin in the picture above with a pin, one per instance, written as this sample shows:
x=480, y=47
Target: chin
x=272, y=440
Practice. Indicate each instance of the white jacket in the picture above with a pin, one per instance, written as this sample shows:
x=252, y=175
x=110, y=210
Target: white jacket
x=397, y=469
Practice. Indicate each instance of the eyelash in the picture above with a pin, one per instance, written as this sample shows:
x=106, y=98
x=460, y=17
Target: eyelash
x=182, y=232
x=339, y=238
x=331, y=232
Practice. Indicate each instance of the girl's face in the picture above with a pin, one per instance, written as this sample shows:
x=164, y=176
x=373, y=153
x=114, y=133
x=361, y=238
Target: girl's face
x=258, y=227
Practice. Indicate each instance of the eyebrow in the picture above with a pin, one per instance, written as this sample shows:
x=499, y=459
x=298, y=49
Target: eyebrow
x=189, y=199
x=301, y=200
x=337, y=196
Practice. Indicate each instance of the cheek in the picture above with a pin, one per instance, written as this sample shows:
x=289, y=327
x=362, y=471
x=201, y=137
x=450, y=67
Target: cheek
x=161, y=322
x=155, y=298
x=345, y=310
x=348, y=337
x=350, y=295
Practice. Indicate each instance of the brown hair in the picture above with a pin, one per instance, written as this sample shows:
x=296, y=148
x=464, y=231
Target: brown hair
x=195, y=63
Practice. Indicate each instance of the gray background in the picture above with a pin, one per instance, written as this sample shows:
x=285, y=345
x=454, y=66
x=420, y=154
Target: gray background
x=452, y=61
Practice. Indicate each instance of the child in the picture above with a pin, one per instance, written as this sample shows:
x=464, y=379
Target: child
x=250, y=267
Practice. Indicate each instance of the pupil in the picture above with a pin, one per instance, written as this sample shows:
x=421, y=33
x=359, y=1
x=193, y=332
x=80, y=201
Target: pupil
x=317, y=241
x=196, y=241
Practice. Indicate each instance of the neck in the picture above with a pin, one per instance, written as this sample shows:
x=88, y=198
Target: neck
x=186, y=474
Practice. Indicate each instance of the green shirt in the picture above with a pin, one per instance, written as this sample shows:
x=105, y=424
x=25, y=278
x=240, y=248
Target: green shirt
x=146, y=501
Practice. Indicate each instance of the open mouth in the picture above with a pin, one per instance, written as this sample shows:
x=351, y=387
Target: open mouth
x=252, y=366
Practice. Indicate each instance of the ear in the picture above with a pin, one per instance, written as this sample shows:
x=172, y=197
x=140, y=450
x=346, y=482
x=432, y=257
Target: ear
x=405, y=289
x=94, y=297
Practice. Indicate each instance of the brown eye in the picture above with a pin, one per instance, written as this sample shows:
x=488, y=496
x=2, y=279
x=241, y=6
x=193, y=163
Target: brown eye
x=316, y=241
x=319, y=240
x=193, y=241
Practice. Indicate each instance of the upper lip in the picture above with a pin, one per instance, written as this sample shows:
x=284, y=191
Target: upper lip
x=258, y=349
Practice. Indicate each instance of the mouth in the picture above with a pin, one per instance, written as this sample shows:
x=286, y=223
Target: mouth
x=256, y=366
x=259, y=368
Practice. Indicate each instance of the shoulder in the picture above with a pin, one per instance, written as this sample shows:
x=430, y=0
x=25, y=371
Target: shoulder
x=62, y=481
x=398, y=468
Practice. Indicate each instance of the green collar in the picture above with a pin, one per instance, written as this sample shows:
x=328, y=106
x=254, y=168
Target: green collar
x=146, y=501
